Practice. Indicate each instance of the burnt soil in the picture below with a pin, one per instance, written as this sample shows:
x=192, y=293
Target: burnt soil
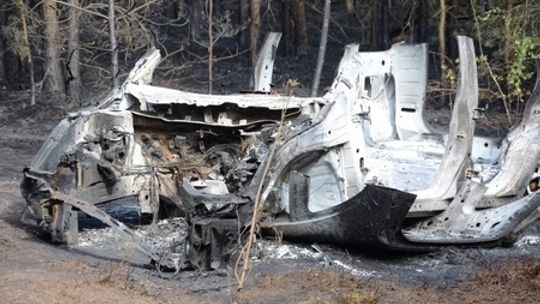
x=104, y=270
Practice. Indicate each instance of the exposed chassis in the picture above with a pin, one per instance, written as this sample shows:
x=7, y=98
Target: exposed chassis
x=358, y=166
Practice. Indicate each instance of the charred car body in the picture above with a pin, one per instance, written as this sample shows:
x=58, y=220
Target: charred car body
x=359, y=165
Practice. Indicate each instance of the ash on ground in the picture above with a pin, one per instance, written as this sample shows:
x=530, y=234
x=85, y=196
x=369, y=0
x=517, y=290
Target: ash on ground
x=168, y=236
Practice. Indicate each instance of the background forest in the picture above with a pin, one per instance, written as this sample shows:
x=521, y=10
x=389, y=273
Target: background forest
x=74, y=51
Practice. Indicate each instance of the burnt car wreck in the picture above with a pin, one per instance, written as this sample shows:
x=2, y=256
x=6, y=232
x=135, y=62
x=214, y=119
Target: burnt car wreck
x=359, y=165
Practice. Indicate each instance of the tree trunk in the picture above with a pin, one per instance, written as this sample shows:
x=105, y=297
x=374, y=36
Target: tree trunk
x=452, y=25
x=373, y=21
x=3, y=45
x=53, y=72
x=243, y=38
x=383, y=24
x=422, y=24
x=114, y=45
x=196, y=20
x=349, y=6
x=255, y=13
x=286, y=26
x=210, y=45
x=508, y=40
x=28, y=57
x=299, y=14
x=442, y=37
x=322, y=49
x=379, y=25
x=73, y=66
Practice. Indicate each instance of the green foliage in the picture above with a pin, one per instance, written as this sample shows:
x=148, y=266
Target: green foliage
x=508, y=35
x=523, y=50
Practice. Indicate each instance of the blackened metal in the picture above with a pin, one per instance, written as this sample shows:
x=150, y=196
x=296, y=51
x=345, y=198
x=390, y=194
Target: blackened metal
x=374, y=216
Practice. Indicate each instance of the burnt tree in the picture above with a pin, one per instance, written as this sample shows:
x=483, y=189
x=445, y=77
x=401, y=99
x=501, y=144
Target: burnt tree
x=53, y=81
x=322, y=49
x=3, y=43
x=379, y=25
x=299, y=15
x=243, y=14
x=196, y=22
x=422, y=23
x=73, y=65
x=114, y=45
x=255, y=28
x=442, y=37
x=293, y=26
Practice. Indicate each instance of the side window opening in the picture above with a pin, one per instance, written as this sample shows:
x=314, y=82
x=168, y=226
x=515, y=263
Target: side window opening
x=367, y=87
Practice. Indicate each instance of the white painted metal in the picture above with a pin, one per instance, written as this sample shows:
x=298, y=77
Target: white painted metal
x=262, y=74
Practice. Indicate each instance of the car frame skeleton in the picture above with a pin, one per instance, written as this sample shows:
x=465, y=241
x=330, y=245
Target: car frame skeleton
x=359, y=165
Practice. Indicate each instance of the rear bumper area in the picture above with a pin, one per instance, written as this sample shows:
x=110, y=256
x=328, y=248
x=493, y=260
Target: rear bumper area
x=372, y=217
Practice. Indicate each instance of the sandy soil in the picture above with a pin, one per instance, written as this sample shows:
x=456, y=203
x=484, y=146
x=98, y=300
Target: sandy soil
x=34, y=271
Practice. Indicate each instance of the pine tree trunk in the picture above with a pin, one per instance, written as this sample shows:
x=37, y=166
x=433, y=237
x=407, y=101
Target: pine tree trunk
x=442, y=37
x=422, y=24
x=383, y=24
x=53, y=80
x=379, y=25
x=452, y=25
x=299, y=14
x=286, y=26
x=322, y=49
x=3, y=45
x=29, y=59
x=74, y=67
x=196, y=20
x=210, y=46
x=255, y=28
x=114, y=45
x=508, y=39
x=243, y=38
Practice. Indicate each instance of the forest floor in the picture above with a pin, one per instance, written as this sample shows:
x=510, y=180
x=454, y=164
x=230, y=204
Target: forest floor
x=102, y=269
